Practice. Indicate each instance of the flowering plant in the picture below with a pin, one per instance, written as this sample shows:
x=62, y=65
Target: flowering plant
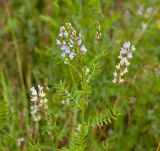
x=122, y=66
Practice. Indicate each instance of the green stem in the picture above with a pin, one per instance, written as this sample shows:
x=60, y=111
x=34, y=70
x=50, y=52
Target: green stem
x=83, y=119
x=72, y=77
x=75, y=111
x=83, y=100
x=83, y=111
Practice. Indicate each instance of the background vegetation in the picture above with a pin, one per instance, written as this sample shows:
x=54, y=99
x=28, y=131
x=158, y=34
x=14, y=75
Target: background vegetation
x=29, y=55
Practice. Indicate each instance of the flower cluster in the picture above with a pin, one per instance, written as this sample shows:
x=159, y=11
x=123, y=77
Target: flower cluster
x=39, y=102
x=69, y=42
x=122, y=66
x=98, y=31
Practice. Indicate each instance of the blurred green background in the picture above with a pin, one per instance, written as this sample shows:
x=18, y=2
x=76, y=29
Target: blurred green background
x=28, y=55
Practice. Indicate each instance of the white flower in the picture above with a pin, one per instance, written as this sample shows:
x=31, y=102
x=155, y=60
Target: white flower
x=118, y=66
x=71, y=41
x=42, y=94
x=65, y=102
x=40, y=88
x=127, y=63
x=124, y=61
x=121, y=80
x=72, y=55
x=40, y=91
x=34, y=98
x=37, y=118
x=83, y=49
x=40, y=102
x=34, y=109
x=114, y=80
x=125, y=70
x=45, y=100
x=129, y=56
x=115, y=74
x=20, y=141
x=121, y=73
x=33, y=91
x=58, y=42
x=79, y=127
x=123, y=51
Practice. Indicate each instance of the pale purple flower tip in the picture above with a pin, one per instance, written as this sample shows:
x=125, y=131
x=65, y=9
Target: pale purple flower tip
x=83, y=49
x=123, y=51
x=65, y=48
x=126, y=45
x=63, y=32
x=129, y=55
x=79, y=40
x=71, y=41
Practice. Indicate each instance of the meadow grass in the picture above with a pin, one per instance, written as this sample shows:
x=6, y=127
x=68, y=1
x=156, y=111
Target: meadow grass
x=85, y=109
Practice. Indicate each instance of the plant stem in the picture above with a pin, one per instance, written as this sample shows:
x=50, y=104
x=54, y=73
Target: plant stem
x=72, y=77
x=83, y=111
x=83, y=119
x=75, y=111
x=83, y=99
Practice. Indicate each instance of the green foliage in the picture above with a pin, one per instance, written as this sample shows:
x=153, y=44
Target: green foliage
x=29, y=56
x=104, y=117
x=4, y=116
x=78, y=141
x=95, y=65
